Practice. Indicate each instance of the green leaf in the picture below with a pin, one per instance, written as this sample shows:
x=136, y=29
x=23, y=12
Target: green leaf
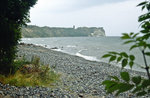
x=106, y=56
x=130, y=41
x=142, y=3
x=132, y=57
x=148, y=45
x=145, y=25
x=136, y=80
x=148, y=6
x=125, y=76
x=115, y=78
x=133, y=46
x=142, y=43
x=123, y=87
x=124, y=62
x=143, y=7
x=147, y=53
x=119, y=59
x=124, y=54
x=146, y=36
x=141, y=93
x=137, y=89
x=131, y=33
x=113, y=88
x=106, y=82
x=145, y=83
x=139, y=38
x=135, y=35
x=113, y=53
x=144, y=17
x=125, y=36
x=131, y=63
x=144, y=31
x=112, y=58
x=109, y=84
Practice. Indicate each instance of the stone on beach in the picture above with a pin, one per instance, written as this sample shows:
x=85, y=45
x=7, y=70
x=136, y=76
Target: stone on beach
x=79, y=77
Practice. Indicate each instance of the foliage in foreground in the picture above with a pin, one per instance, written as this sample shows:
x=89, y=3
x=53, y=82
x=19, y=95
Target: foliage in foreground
x=138, y=85
x=13, y=15
x=31, y=74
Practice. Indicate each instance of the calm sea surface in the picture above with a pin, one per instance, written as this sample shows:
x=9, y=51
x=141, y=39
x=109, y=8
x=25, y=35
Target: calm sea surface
x=90, y=48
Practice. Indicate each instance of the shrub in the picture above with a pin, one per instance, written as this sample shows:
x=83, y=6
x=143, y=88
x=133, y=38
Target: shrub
x=31, y=74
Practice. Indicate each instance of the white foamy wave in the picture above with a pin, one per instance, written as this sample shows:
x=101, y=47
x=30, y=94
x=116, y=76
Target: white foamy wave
x=57, y=50
x=27, y=39
x=71, y=46
x=82, y=50
x=87, y=57
x=38, y=44
x=47, y=46
x=43, y=45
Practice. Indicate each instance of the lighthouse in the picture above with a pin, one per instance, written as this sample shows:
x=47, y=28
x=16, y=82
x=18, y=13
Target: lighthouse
x=74, y=27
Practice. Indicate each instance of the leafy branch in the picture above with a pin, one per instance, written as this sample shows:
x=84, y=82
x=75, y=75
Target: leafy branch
x=137, y=85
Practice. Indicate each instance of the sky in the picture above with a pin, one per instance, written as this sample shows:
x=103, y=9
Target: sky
x=115, y=16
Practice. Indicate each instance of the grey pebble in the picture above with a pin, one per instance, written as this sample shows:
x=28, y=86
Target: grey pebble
x=79, y=77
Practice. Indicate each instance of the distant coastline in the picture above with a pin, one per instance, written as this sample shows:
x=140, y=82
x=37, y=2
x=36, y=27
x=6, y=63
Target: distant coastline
x=33, y=31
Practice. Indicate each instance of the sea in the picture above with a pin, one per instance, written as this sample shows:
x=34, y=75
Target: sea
x=89, y=48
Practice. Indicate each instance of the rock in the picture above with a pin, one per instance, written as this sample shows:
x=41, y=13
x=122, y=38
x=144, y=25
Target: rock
x=80, y=95
x=103, y=97
x=95, y=92
x=54, y=48
x=1, y=93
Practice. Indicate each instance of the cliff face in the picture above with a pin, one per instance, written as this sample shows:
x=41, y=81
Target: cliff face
x=35, y=31
x=98, y=33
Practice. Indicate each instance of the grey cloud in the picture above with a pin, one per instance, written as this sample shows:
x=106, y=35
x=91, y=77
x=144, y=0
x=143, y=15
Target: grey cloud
x=89, y=3
x=76, y=5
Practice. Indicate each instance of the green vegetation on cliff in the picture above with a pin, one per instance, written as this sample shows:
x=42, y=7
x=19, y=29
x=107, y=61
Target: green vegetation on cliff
x=35, y=31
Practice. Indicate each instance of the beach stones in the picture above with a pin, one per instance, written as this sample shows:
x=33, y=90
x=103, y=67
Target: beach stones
x=80, y=78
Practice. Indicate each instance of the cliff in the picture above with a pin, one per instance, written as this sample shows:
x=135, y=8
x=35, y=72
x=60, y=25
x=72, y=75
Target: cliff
x=35, y=31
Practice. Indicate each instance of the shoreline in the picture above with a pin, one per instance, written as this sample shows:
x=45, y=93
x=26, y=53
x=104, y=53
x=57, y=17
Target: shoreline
x=79, y=77
x=85, y=57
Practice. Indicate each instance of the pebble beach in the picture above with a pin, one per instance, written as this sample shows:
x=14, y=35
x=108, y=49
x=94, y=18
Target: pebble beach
x=80, y=78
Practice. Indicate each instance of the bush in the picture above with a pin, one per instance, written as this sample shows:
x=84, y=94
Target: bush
x=31, y=74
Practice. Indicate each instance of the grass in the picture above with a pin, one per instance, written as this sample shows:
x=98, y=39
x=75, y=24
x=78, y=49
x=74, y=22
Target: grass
x=30, y=74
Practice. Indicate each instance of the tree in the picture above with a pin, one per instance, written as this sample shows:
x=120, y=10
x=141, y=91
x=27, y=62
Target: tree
x=13, y=15
x=137, y=85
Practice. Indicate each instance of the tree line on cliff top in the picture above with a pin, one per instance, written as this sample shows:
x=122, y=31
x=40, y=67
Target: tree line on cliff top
x=36, y=31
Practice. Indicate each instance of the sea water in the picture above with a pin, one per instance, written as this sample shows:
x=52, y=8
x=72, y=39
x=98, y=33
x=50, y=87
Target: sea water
x=89, y=48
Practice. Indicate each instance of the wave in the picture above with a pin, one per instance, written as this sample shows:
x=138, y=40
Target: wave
x=60, y=50
x=90, y=58
x=71, y=46
x=82, y=50
x=27, y=39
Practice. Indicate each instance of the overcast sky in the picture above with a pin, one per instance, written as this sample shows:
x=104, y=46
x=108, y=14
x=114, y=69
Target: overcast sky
x=115, y=16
